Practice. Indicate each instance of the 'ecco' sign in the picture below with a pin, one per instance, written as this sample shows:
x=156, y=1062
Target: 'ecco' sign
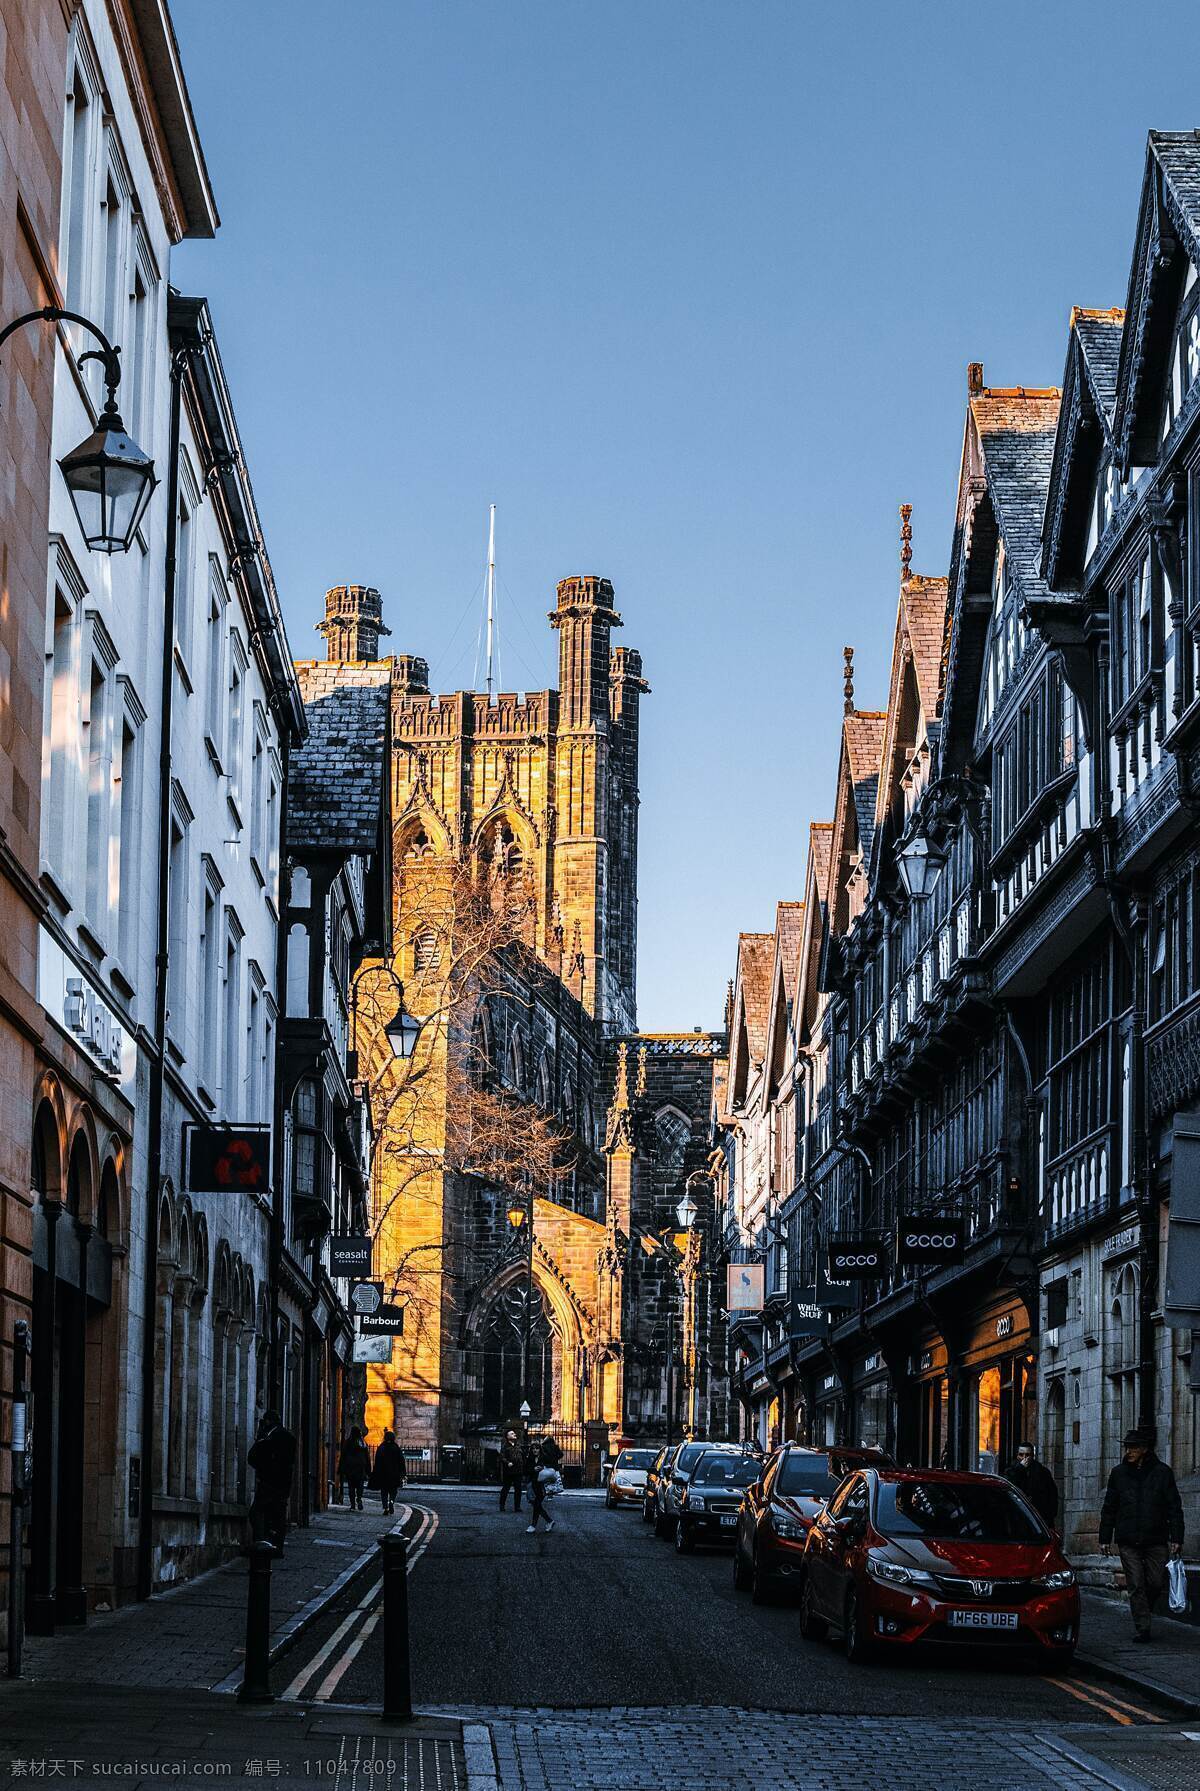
x=857, y=1259
x=929, y=1240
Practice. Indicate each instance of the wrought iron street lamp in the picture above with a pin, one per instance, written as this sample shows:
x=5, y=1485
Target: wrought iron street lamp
x=920, y=864
x=111, y=480
x=520, y=1217
x=403, y=1029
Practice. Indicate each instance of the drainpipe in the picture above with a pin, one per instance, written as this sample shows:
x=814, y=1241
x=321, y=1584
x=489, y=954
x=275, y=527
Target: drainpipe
x=281, y=1094
x=154, y=1117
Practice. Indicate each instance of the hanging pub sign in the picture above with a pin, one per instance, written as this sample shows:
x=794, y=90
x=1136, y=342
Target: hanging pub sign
x=857, y=1259
x=349, y=1257
x=922, y=1239
x=229, y=1159
x=387, y=1322
x=745, y=1286
x=806, y=1317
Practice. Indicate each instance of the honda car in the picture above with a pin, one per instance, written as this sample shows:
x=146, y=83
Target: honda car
x=779, y=1509
x=898, y=1558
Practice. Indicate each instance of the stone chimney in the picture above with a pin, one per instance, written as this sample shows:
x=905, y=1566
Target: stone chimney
x=353, y=622
x=585, y=618
x=412, y=675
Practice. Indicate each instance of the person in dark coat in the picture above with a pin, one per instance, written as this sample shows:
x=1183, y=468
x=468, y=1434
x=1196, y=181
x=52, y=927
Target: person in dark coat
x=272, y=1455
x=548, y=1458
x=354, y=1464
x=512, y=1470
x=387, y=1475
x=1032, y=1478
x=1143, y=1511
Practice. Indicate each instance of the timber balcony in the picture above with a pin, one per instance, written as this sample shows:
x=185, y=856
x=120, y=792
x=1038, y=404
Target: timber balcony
x=932, y=1007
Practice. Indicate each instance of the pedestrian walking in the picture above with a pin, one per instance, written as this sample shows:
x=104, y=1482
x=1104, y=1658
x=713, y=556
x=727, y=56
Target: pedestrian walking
x=387, y=1474
x=1143, y=1511
x=272, y=1455
x=1034, y=1479
x=543, y=1471
x=512, y=1470
x=354, y=1464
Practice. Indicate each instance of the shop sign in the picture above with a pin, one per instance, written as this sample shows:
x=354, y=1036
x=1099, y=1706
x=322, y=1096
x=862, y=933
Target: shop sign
x=1004, y=1325
x=931, y=1241
x=387, y=1322
x=1120, y=1243
x=872, y=1363
x=745, y=1286
x=857, y=1259
x=829, y=1384
x=349, y=1257
x=923, y=1363
x=91, y=1022
x=377, y=1350
x=807, y=1317
x=228, y=1160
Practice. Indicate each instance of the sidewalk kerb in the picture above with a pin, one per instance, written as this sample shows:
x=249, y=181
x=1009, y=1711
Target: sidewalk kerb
x=1138, y=1682
x=308, y=1613
x=479, y=1758
x=1101, y=1770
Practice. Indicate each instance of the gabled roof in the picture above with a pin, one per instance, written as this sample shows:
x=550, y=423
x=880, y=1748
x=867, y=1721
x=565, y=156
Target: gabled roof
x=1167, y=238
x=789, y=934
x=915, y=687
x=756, y=953
x=338, y=780
x=1085, y=428
x=785, y=966
x=862, y=732
x=1008, y=452
x=816, y=896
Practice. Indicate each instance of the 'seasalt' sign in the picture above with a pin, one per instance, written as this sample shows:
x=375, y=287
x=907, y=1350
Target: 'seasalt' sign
x=857, y=1259
x=929, y=1241
x=349, y=1257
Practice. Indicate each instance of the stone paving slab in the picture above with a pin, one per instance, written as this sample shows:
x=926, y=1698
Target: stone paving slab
x=1168, y=1667
x=194, y=1635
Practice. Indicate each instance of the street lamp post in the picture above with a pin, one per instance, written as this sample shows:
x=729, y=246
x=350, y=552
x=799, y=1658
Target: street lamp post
x=110, y=479
x=403, y=1029
x=520, y=1217
x=685, y=1212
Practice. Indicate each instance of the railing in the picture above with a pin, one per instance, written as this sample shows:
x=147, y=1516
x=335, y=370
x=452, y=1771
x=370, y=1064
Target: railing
x=1077, y=1184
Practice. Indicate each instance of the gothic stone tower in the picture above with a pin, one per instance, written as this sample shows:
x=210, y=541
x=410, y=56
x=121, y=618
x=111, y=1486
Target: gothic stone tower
x=546, y=782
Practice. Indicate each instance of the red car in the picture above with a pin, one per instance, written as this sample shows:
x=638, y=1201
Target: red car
x=927, y=1556
x=780, y=1508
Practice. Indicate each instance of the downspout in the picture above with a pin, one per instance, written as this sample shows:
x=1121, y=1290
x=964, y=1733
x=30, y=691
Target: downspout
x=154, y=1119
x=279, y=1105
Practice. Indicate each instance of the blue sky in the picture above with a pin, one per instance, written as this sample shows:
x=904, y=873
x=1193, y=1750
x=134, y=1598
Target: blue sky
x=688, y=289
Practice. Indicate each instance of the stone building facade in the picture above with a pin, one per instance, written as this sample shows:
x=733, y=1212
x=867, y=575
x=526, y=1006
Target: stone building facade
x=539, y=795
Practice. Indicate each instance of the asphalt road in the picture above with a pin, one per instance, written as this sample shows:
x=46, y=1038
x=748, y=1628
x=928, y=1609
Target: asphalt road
x=601, y=1613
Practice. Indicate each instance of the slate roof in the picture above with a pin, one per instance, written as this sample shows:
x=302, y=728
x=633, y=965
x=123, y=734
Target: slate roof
x=863, y=732
x=923, y=601
x=1178, y=155
x=1099, y=335
x=820, y=848
x=789, y=932
x=1016, y=433
x=756, y=956
x=337, y=779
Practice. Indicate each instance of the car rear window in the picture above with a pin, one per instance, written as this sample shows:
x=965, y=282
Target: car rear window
x=955, y=1512
x=635, y=1458
x=688, y=1455
x=806, y=1474
x=726, y=1470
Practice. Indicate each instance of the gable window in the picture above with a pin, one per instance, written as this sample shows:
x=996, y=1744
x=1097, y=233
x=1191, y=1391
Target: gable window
x=1132, y=631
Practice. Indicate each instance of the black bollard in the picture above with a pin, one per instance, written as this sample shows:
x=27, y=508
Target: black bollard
x=397, y=1670
x=256, y=1678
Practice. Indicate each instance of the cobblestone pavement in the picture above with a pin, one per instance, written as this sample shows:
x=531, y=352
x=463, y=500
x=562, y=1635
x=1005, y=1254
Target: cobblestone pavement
x=735, y=1750
x=194, y=1635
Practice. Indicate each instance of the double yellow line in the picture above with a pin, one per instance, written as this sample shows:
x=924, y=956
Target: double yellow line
x=1119, y=1709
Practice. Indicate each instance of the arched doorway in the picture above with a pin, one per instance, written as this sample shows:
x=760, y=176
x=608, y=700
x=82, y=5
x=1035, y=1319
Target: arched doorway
x=72, y=1282
x=517, y=1310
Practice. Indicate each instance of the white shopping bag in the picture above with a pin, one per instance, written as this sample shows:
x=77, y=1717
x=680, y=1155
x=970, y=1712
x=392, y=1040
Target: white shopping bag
x=1177, y=1586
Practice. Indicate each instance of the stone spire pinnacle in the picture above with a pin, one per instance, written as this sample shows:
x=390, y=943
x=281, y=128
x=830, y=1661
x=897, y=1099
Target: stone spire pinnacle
x=848, y=681
x=905, y=542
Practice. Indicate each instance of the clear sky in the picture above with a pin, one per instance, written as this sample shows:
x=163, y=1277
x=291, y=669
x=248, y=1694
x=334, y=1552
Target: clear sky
x=687, y=288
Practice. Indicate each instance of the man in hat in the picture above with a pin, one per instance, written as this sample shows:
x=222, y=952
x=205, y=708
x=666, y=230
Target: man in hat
x=1143, y=1511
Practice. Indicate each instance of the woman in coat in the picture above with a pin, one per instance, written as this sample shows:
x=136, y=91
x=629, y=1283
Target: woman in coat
x=354, y=1464
x=387, y=1476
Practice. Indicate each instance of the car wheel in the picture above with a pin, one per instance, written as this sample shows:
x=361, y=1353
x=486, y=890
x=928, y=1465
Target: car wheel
x=647, y=1512
x=741, y=1573
x=854, y=1641
x=610, y=1502
x=760, y=1581
x=685, y=1542
x=812, y=1627
x=1055, y=1660
x=661, y=1524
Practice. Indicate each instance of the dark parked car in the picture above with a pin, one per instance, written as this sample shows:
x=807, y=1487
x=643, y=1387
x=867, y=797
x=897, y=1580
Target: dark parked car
x=711, y=1495
x=650, y=1490
x=673, y=1478
x=780, y=1508
x=897, y=1558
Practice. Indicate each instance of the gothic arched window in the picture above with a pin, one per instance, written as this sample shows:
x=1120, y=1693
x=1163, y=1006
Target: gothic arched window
x=672, y=1132
x=502, y=1346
